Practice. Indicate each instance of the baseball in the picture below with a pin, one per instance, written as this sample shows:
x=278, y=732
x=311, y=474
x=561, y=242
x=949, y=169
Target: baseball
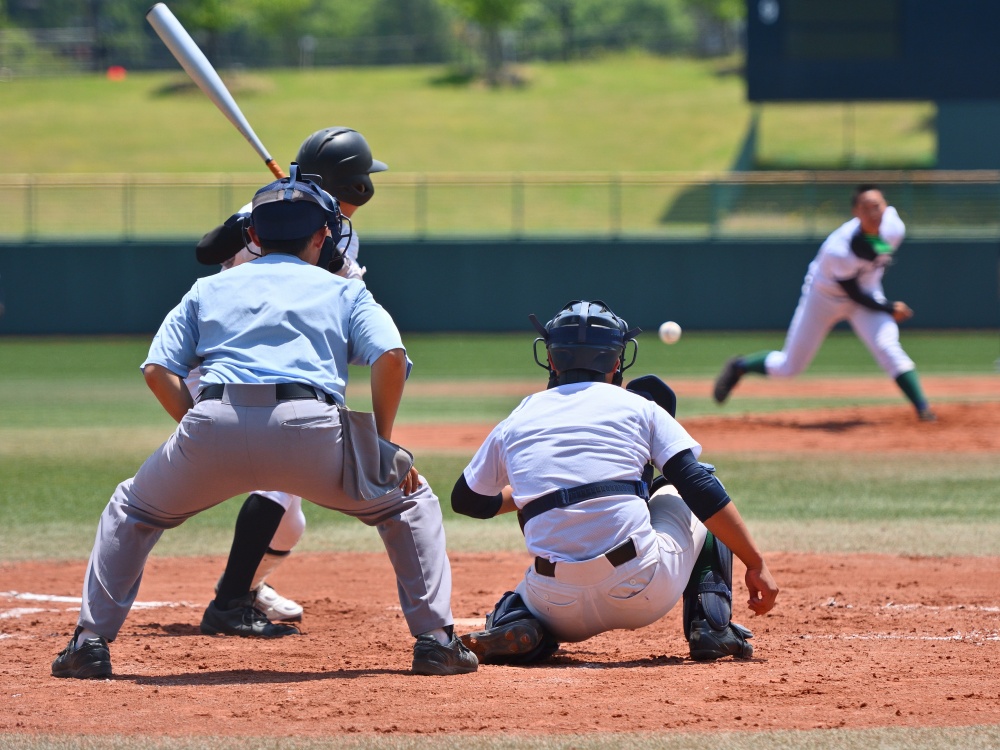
x=670, y=332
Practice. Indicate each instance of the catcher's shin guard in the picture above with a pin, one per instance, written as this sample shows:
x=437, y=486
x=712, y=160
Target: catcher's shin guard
x=708, y=607
x=512, y=636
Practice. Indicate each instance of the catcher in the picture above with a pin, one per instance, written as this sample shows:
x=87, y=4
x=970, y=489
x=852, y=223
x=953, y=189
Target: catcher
x=572, y=461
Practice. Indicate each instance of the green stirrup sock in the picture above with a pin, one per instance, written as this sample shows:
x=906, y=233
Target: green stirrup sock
x=703, y=565
x=909, y=383
x=755, y=362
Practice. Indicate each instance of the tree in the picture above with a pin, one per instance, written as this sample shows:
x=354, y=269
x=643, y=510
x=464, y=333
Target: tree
x=490, y=16
x=719, y=23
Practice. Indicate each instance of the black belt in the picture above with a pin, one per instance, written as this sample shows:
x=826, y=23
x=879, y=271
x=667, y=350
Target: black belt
x=565, y=497
x=617, y=556
x=282, y=392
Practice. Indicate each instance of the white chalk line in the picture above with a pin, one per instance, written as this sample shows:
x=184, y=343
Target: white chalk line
x=835, y=604
x=973, y=636
x=15, y=613
x=27, y=596
x=935, y=608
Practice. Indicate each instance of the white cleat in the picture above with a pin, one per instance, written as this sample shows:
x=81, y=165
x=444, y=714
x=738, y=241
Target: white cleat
x=276, y=607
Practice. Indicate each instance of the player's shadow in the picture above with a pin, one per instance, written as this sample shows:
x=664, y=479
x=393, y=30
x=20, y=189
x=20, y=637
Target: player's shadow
x=252, y=677
x=172, y=630
x=833, y=425
x=829, y=425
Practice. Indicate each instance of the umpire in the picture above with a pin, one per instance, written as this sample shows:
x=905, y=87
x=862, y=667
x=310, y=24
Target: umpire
x=274, y=338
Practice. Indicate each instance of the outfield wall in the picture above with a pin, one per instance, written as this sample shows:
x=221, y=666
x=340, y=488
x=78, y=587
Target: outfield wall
x=492, y=285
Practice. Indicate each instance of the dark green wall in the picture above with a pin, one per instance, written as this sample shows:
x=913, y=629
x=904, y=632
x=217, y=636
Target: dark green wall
x=456, y=285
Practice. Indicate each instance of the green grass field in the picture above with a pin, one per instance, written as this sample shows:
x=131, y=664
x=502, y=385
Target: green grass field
x=77, y=419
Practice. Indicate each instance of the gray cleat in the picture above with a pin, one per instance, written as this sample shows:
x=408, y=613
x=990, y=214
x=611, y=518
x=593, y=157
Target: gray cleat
x=90, y=660
x=243, y=619
x=431, y=658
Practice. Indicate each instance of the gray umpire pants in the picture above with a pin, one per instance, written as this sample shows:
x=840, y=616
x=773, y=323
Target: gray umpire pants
x=223, y=448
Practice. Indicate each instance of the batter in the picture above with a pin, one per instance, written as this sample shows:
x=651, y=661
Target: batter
x=844, y=282
x=343, y=160
x=570, y=461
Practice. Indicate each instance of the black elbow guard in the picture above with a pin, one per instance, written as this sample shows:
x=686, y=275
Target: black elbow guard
x=466, y=501
x=697, y=486
x=223, y=242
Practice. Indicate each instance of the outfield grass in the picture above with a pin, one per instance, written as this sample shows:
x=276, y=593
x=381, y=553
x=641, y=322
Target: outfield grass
x=78, y=419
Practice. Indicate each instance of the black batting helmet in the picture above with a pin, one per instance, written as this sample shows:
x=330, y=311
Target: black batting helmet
x=585, y=336
x=342, y=157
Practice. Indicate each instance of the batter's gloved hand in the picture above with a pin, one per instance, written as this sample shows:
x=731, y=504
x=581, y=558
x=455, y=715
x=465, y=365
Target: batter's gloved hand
x=330, y=256
x=223, y=242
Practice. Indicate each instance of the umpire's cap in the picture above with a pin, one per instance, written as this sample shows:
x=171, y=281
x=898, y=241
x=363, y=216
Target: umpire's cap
x=343, y=158
x=585, y=335
x=293, y=208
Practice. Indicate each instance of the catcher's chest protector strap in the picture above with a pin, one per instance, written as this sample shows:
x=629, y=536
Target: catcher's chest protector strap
x=565, y=497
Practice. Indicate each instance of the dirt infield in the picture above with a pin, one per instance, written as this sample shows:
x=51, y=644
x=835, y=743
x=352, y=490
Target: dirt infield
x=856, y=641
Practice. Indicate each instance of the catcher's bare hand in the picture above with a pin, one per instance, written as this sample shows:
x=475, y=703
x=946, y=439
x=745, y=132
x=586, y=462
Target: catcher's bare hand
x=901, y=311
x=763, y=589
x=411, y=482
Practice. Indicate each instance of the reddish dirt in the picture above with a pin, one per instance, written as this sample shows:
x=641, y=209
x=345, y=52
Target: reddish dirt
x=856, y=640
x=968, y=410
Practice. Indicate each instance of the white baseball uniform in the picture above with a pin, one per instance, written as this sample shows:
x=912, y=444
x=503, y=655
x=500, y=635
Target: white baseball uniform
x=824, y=303
x=590, y=432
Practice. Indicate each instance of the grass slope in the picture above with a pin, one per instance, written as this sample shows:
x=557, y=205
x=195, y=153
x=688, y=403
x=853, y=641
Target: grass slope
x=631, y=112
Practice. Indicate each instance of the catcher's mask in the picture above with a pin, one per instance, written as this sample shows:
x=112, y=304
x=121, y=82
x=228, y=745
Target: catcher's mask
x=585, y=341
x=293, y=208
x=343, y=159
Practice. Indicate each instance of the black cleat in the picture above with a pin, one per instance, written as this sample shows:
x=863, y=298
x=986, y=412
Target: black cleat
x=708, y=644
x=497, y=645
x=727, y=380
x=431, y=658
x=91, y=660
x=243, y=619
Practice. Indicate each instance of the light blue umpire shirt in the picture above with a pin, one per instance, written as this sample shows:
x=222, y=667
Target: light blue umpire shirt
x=276, y=319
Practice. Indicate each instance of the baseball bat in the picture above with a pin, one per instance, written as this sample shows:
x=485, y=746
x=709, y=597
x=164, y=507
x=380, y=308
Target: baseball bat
x=193, y=60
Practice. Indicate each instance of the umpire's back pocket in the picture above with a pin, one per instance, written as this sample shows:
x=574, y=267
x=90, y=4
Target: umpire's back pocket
x=373, y=466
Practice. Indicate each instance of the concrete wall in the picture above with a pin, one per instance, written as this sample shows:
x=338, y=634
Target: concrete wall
x=485, y=285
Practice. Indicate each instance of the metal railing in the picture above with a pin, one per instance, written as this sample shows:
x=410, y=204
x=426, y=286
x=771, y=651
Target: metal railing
x=661, y=205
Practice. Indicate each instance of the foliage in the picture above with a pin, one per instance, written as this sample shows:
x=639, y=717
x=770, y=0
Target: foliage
x=490, y=18
x=276, y=32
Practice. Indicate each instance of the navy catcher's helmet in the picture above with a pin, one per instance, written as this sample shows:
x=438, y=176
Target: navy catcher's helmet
x=293, y=208
x=342, y=157
x=586, y=336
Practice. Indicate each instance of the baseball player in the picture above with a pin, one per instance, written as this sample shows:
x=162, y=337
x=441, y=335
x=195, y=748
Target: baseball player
x=844, y=282
x=570, y=461
x=343, y=159
x=274, y=338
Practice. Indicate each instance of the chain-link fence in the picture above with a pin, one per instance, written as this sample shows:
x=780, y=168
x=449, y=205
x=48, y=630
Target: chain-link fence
x=411, y=205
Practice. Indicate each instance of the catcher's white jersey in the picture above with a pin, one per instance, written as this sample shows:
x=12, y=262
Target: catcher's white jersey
x=581, y=433
x=572, y=435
